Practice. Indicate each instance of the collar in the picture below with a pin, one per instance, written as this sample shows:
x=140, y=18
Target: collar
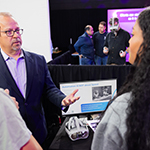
x=88, y=35
x=6, y=57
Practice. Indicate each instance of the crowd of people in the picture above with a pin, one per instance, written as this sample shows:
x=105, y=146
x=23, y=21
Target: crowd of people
x=103, y=48
x=25, y=76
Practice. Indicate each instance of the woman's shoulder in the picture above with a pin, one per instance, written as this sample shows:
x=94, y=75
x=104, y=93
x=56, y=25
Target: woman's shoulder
x=117, y=110
x=111, y=129
x=121, y=101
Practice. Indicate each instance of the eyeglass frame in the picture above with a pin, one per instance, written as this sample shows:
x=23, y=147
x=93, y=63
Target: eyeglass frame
x=14, y=31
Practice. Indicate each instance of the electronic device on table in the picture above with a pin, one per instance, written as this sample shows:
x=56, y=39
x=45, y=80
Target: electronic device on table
x=94, y=96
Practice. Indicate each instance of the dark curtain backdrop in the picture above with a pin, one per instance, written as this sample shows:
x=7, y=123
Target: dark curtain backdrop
x=66, y=24
x=74, y=73
x=87, y=4
x=69, y=17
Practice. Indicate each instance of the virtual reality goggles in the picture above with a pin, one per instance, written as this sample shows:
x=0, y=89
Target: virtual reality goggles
x=114, y=28
x=76, y=129
x=114, y=24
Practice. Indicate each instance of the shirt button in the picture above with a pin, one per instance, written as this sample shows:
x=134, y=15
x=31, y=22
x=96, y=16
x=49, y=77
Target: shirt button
x=26, y=104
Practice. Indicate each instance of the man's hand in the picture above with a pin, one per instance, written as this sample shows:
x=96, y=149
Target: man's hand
x=123, y=53
x=80, y=56
x=70, y=98
x=13, y=98
x=105, y=50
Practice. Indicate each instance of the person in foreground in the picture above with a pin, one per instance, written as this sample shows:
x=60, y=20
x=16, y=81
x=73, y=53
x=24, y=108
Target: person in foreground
x=13, y=130
x=28, y=79
x=126, y=122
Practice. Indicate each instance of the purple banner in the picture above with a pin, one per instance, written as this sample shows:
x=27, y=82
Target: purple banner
x=128, y=16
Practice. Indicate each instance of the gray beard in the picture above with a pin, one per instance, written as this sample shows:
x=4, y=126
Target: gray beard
x=16, y=49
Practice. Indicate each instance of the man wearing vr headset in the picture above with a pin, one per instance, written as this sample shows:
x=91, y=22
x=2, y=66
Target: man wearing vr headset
x=116, y=43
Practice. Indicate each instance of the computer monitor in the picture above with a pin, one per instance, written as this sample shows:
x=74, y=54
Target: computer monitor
x=94, y=96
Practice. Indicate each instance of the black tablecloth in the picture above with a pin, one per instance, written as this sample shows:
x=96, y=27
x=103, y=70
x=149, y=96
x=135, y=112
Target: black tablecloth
x=65, y=73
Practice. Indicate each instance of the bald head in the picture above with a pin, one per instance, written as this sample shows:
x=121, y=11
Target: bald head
x=6, y=20
x=9, y=44
x=89, y=30
x=5, y=14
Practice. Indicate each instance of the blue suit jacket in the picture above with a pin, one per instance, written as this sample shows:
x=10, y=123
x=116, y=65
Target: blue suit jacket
x=39, y=85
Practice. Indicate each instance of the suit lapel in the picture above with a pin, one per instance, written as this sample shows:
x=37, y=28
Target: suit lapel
x=30, y=70
x=7, y=77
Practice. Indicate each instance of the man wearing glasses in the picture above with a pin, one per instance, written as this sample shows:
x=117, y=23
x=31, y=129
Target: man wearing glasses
x=27, y=77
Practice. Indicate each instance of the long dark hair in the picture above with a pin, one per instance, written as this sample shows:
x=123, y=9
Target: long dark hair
x=138, y=83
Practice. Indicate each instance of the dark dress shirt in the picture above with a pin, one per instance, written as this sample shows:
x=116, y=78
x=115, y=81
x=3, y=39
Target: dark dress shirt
x=115, y=44
x=98, y=40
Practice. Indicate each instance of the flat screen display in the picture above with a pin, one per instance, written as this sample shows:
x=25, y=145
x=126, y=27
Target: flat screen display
x=94, y=95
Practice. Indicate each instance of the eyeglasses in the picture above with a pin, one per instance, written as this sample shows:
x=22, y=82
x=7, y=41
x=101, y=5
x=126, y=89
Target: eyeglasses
x=11, y=33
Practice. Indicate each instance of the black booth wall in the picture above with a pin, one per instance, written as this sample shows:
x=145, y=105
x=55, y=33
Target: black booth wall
x=73, y=73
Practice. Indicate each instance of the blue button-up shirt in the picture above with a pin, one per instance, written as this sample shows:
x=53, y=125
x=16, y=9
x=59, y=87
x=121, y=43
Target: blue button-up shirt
x=85, y=46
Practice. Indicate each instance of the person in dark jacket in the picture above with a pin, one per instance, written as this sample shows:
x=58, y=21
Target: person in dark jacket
x=98, y=39
x=116, y=43
x=27, y=77
x=85, y=47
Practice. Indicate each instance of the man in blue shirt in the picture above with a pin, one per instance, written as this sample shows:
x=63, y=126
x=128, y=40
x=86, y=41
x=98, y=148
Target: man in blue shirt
x=85, y=47
x=98, y=39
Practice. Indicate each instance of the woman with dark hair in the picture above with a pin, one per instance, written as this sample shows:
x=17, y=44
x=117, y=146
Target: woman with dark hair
x=126, y=122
